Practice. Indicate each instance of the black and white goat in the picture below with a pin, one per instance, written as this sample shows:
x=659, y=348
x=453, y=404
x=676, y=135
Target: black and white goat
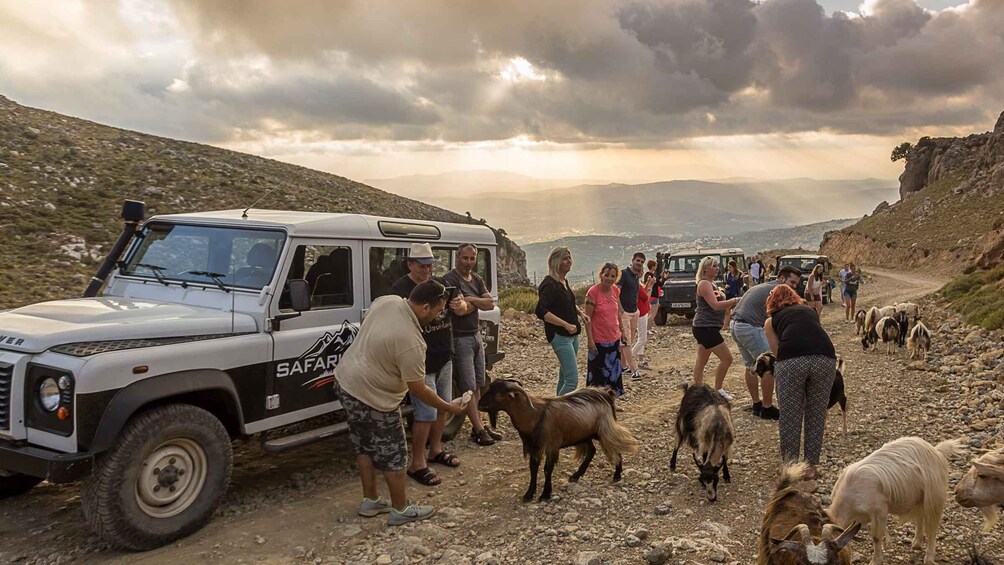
x=871, y=318
x=859, y=322
x=546, y=425
x=919, y=341
x=886, y=329
x=796, y=529
x=907, y=477
x=704, y=423
x=765, y=364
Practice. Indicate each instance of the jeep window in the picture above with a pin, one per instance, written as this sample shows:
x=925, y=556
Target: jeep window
x=805, y=264
x=387, y=264
x=328, y=272
x=243, y=258
x=483, y=267
x=684, y=263
x=443, y=261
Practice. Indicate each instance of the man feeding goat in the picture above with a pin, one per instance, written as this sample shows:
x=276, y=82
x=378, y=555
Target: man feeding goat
x=704, y=423
x=546, y=425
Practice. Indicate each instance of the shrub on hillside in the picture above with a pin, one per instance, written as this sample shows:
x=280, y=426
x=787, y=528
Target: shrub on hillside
x=519, y=298
x=979, y=297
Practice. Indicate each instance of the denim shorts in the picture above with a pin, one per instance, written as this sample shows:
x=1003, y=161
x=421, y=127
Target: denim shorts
x=442, y=383
x=751, y=340
x=469, y=359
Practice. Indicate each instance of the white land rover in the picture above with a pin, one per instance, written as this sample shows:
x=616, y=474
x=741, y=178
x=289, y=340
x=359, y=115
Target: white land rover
x=210, y=326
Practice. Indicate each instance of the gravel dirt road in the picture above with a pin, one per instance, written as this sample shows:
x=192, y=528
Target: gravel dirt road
x=300, y=507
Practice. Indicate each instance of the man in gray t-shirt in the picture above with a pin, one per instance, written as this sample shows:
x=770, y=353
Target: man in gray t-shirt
x=748, y=319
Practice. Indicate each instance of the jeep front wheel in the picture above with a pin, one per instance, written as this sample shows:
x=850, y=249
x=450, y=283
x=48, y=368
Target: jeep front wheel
x=162, y=480
x=13, y=484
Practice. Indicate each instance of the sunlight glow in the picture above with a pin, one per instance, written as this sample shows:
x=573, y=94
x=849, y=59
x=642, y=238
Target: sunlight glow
x=520, y=70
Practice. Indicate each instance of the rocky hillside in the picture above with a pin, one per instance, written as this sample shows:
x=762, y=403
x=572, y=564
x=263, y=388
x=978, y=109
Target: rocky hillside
x=951, y=209
x=63, y=181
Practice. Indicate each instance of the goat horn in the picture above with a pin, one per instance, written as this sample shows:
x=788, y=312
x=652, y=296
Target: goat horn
x=828, y=529
x=795, y=530
x=805, y=533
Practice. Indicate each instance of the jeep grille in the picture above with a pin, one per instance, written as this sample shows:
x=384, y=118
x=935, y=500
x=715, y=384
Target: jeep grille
x=6, y=380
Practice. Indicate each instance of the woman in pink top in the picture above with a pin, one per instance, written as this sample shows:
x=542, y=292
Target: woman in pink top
x=603, y=331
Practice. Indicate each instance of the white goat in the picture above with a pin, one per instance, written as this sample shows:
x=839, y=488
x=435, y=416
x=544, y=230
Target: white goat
x=887, y=311
x=919, y=340
x=871, y=317
x=906, y=477
x=983, y=487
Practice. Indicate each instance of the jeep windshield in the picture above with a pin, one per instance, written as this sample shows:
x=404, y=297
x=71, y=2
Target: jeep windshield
x=212, y=255
x=686, y=263
x=804, y=264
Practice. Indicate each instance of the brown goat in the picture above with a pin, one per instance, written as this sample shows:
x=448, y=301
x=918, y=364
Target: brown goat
x=796, y=530
x=546, y=425
x=983, y=487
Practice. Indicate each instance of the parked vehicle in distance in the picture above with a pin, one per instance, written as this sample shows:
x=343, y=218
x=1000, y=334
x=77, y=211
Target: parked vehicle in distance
x=211, y=326
x=806, y=263
x=679, y=294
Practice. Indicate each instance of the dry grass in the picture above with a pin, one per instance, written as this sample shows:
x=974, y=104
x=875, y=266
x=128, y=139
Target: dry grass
x=979, y=296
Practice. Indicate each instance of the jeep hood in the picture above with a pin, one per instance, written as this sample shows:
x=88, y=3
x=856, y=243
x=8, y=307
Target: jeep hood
x=38, y=327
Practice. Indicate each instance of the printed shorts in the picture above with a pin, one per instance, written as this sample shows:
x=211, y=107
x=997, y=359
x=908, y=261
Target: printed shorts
x=378, y=435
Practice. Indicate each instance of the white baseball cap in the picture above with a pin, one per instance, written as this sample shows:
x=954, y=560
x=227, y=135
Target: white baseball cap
x=421, y=252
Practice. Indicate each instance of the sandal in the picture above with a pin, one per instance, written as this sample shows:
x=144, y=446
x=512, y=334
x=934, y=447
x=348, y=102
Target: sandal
x=426, y=477
x=482, y=438
x=446, y=458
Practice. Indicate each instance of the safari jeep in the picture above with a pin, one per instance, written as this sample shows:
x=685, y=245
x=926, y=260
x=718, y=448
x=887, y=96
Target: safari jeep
x=211, y=325
x=805, y=264
x=679, y=294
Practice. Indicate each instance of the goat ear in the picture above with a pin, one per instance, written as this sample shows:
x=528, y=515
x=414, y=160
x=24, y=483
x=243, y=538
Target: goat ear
x=847, y=535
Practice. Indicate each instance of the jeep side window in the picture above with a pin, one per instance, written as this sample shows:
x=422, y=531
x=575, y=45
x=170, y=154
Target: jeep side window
x=387, y=264
x=483, y=267
x=328, y=272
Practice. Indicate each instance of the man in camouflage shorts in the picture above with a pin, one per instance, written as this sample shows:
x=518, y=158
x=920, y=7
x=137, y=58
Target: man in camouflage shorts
x=385, y=362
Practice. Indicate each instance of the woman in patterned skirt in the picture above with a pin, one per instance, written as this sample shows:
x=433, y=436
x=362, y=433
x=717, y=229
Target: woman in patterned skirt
x=604, y=330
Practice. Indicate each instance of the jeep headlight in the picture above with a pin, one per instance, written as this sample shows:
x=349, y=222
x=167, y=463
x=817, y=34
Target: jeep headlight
x=48, y=394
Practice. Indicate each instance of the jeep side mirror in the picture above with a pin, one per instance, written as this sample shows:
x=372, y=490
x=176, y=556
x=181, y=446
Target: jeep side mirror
x=299, y=295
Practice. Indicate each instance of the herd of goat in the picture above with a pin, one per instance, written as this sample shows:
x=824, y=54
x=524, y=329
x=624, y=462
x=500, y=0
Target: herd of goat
x=906, y=477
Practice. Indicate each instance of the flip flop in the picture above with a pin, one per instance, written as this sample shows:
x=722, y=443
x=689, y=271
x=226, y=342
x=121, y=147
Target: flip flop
x=425, y=477
x=446, y=458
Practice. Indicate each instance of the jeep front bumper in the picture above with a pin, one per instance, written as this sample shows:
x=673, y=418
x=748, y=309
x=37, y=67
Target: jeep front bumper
x=52, y=466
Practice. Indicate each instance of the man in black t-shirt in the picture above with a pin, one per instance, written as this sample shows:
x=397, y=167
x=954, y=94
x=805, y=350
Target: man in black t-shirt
x=629, y=283
x=428, y=424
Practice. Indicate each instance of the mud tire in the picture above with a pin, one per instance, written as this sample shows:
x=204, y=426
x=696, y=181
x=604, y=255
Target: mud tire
x=111, y=498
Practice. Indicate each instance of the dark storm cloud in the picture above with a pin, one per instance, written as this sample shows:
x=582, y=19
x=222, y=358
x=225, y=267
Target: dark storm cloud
x=639, y=72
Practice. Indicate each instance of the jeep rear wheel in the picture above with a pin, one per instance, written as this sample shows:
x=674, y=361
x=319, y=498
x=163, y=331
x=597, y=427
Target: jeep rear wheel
x=13, y=484
x=162, y=480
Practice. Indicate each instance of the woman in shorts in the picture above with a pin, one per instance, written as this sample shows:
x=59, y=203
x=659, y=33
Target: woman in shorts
x=709, y=321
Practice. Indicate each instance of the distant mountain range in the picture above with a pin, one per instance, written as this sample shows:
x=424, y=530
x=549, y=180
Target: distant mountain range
x=676, y=209
x=590, y=251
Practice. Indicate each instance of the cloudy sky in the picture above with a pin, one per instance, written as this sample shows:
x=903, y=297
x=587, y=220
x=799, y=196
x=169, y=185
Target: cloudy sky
x=617, y=90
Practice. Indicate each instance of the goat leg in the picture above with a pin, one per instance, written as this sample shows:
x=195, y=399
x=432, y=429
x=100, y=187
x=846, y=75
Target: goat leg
x=672, y=460
x=618, y=468
x=879, y=534
x=549, y=463
x=590, y=450
x=725, y=470
x=534, y=468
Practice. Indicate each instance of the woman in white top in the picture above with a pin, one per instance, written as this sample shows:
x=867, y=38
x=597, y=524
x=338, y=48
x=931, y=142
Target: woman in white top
x=814, y=289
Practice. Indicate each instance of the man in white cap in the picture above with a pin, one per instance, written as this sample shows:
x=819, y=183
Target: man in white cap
x=428, y=424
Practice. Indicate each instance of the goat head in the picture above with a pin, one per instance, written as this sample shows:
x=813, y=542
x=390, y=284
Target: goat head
x=809, y=551
x=709, y=476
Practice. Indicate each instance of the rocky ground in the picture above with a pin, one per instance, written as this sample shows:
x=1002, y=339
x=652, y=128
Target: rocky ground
x=300, y=507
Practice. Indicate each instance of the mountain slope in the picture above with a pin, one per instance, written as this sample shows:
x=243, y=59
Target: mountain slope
x=64, y=179
x=951, y=214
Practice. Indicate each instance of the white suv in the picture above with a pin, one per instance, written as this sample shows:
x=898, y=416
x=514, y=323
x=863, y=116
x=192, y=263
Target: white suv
x=211, y=325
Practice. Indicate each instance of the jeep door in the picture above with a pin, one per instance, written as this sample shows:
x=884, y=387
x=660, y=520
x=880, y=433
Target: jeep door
x=307, y=348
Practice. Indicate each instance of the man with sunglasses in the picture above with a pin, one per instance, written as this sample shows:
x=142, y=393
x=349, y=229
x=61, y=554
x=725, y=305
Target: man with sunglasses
x=428, y=422
x=748, y=319
x=468, y=351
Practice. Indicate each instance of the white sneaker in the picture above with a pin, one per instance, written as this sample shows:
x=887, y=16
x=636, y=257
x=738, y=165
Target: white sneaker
x=370, y=508
x=725, y=394
x=412, y=513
